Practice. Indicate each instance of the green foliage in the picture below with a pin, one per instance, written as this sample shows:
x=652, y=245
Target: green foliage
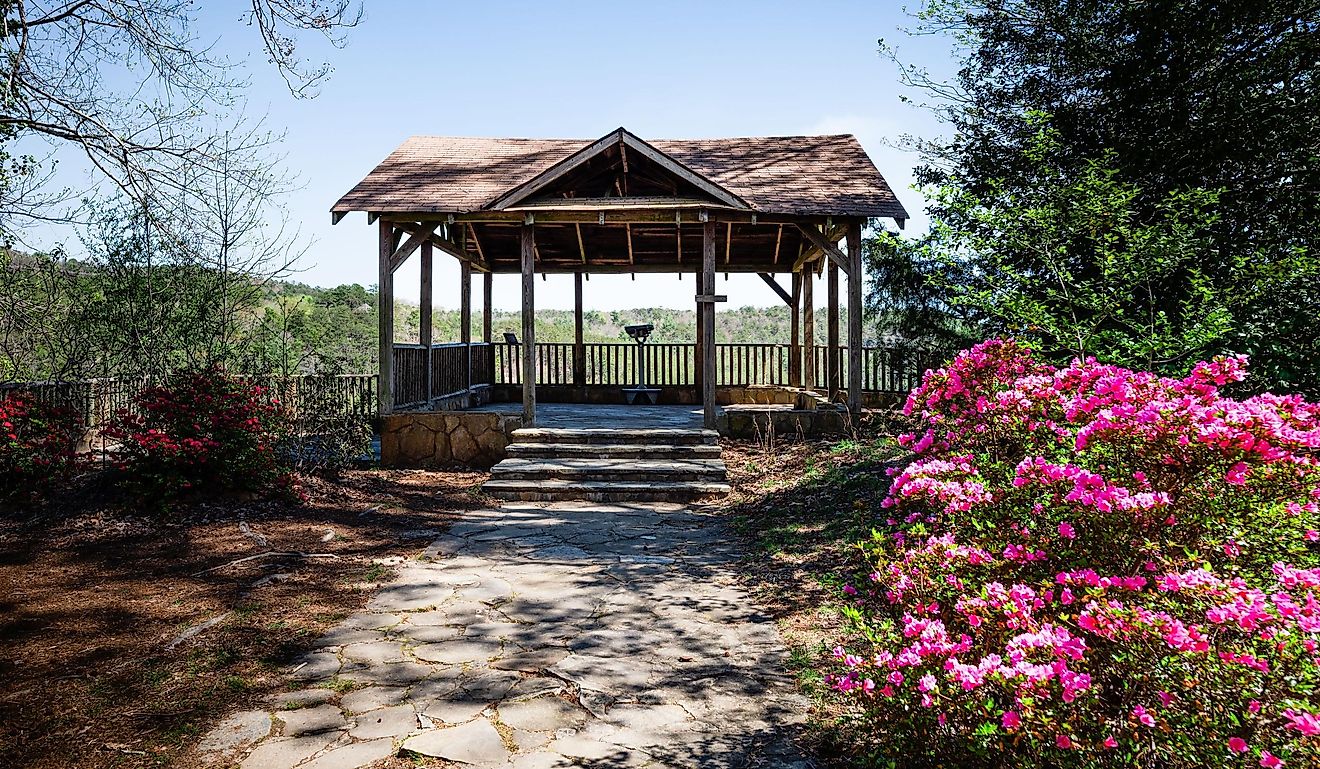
x=1072, y=264
x=1168, y=96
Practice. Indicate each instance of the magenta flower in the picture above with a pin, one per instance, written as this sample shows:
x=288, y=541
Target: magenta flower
x=1269, y=760
x=1011, y=720
x=1237, y=744
x=1143, y=716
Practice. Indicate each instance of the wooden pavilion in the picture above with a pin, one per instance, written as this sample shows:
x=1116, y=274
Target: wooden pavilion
x=764, y=205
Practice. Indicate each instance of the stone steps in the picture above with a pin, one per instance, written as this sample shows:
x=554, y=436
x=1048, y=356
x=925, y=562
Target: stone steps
x=612, y=451
x=556, y=489
x=657, y=470
x=655, y=436
x=610, y=465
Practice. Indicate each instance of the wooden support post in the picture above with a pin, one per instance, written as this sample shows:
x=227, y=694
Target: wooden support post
x=808, y=329
x=487, y=318
x=465, y=316
x=465, y=303
x=579, y=348
x=528, y=238
x=795, y=334
x=833, y=372
x=699, y=351
x=855, y=278
x=385, y=321
x=424, y=321
x=708, y=325
x=424, y=297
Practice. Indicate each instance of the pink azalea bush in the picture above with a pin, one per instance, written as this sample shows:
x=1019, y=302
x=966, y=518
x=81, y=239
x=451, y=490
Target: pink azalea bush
x=37, y=443
x=202, y=432
x=1092, y=566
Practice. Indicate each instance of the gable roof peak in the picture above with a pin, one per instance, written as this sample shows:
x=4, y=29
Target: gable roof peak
x=620, y=135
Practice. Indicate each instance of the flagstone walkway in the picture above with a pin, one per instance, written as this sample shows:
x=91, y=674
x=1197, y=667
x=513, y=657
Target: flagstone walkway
x=544, y=636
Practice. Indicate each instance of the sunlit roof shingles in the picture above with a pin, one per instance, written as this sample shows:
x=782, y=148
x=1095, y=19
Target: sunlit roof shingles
x=800, y=175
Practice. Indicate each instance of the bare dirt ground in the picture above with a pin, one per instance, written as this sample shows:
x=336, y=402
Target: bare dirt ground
x=123, y=635
x=800, y=505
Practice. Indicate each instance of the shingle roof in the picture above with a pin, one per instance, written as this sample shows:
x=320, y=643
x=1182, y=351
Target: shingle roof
x=797, y=175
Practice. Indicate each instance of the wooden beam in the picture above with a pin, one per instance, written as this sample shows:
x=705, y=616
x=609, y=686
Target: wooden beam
x=807, y=256
x=683, y=172
x=464, y=320
x=618, y=136
x=398, y=237
x=855, y=277
x=424, y=312
x=615, y=215
x=465, y=303
x=477, y=242
x=728, y=241
x=338, y=216
x=795, y=333
x=582, y=249
x=832, y=362
x=628, y=229
x=385, y=319
x=707, y=310
x=621, y=267
x=487, y=312
x=698, y=373
x=579, y=348
x=819, y=241
x=450, y=247
x=779, y=236
x=527, y=239
x=808, y=331
x=772, y=283
x=425, y=296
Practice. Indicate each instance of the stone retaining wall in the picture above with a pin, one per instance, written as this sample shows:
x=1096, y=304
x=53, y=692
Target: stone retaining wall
x=761, y=422
x=445, y=438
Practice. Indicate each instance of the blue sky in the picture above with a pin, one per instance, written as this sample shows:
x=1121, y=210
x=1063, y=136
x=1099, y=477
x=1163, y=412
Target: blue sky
x=577, y=69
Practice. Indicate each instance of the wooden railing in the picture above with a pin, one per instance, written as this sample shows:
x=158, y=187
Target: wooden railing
x=454, y=369
x=305, y=396
x=674, y=364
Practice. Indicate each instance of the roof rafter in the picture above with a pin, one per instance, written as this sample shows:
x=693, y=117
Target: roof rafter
x=825, y=246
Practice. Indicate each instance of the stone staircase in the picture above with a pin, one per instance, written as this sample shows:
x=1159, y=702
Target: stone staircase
x=610, y=465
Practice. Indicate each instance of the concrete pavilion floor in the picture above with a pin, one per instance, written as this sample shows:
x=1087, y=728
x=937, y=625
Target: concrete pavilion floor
x=579, y=416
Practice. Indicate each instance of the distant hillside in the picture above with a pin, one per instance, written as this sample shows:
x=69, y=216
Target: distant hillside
x=743, y=324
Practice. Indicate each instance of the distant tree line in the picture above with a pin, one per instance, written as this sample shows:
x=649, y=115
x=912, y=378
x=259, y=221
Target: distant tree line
x=129, y=309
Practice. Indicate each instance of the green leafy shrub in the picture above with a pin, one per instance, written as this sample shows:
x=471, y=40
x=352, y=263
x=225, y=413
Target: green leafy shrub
x=1092, y=567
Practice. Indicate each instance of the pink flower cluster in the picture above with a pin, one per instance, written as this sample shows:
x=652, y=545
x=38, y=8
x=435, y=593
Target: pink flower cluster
x=1077, y=556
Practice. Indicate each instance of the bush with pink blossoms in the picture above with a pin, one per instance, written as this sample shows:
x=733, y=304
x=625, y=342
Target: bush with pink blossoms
x=1092, y=566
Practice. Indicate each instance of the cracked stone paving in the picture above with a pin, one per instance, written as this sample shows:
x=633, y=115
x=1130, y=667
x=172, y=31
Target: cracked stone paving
x=543, y=635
